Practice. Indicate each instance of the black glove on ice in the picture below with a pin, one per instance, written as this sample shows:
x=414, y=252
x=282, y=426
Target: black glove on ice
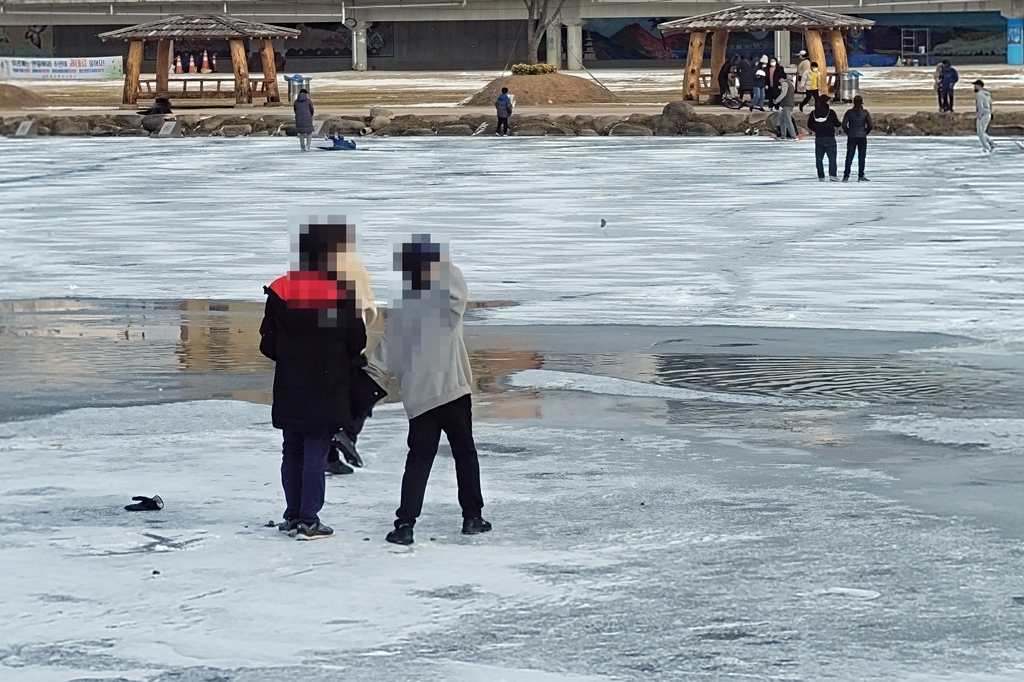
x=146, y=503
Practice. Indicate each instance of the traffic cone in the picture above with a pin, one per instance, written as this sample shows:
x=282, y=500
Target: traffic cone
x=177, y=63
x=213, y=62
x=206, y=63
x=191, y=64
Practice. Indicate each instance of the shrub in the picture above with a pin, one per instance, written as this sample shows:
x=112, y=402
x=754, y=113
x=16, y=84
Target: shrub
x=533, y=69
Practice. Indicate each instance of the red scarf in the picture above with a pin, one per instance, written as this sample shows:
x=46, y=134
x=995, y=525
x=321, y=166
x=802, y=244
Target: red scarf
x=308, y=290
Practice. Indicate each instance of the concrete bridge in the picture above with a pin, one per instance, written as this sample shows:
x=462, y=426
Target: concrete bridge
x=358, y=15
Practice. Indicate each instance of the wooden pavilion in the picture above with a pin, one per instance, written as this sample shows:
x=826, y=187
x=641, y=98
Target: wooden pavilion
x=813, y=23
x=200, y=27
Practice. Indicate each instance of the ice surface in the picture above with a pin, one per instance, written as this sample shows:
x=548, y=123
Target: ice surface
x=698, y=231
x=667, y=556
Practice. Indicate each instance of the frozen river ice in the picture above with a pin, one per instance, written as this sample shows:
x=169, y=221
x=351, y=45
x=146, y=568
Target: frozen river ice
x=734, y=231
x=813, y=491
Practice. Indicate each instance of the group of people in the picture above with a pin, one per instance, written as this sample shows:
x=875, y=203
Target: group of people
x=331, y=350
x=766, y=82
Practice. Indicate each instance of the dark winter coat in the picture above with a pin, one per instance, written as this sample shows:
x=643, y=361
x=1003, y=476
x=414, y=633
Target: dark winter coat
x=760, y=75
x=787, y=94
x=314, y=333
x=723, y=78
x=775, y=77
x=746, y=74
x=303, y=113
x=857, y=123
x=823, y=122
x=949, y=77
x=503, y=105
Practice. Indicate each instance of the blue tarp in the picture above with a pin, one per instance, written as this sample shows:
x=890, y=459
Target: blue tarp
x=872, y=60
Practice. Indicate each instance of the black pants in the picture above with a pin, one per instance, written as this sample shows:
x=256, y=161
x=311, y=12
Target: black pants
x=812, y=95
x=946, y=99
x=858, y=145
x=502, y=126
x=825, y=146
x=938, y=91
x=456, y=420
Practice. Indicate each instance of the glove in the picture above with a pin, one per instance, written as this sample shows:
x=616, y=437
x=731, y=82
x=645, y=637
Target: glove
x=145, y=503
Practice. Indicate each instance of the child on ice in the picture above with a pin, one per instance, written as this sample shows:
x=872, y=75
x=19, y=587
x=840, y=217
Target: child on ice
x=424, y=347
x=313, y=329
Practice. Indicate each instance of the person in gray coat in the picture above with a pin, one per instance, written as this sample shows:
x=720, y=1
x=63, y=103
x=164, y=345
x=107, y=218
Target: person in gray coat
x=786, y=101
x=424, y=347
x=303, y=107
x=983, y=115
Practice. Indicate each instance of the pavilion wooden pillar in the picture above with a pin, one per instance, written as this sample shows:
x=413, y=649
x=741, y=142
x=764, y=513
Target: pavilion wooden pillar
x=719, y=44
x=835, y=37
x=269, y=70
x=164, y=48
x=132, y=70
x=243, y=93
x=816, y=51
x=694, y=62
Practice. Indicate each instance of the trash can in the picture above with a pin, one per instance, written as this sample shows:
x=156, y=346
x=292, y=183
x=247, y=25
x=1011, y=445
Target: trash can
x=849, y=86
x=296, y=83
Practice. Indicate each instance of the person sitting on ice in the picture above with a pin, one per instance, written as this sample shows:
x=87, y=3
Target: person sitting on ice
x=339, y=141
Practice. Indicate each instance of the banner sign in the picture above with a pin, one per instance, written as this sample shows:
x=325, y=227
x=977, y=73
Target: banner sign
x=77, y=68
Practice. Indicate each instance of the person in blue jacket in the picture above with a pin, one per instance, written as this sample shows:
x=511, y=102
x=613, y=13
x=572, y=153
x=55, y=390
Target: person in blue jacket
x=503, y=106
x=947, y=81
x=339, y=141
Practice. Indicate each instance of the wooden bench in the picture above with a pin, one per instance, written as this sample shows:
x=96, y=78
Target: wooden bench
x=200, y=88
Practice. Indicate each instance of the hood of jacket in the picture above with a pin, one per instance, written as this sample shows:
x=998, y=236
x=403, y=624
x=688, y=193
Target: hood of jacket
x=302, y=97
x=303, y=290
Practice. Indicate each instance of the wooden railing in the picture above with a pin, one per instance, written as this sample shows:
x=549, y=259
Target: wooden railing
x=206, y=87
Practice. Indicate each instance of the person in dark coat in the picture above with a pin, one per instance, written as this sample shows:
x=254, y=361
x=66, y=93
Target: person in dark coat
x=857, y=126
x=823, y=122
x=723, y=75
x=776, y=74
x=503, y=107
x=948, y=78
x=314, y=332
x=303, y=107
x=746, y=74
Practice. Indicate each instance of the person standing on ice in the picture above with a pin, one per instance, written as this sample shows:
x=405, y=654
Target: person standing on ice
x=857, y=126
x=785, y=102
x=803, y=73
x=823, y=122
x=760, y=82
x=983, y=115
x=303, y=107
x=745, y=70
x=503, y=107
x=424, y=347
x=947, y=81
x=813, y=86
x=313, y=330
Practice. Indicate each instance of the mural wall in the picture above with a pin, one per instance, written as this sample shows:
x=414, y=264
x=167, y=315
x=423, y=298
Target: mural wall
x=26, y=41
x=335, y=40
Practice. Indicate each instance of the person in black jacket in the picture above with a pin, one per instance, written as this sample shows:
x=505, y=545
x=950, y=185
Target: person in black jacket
x=746, y=74
x=723, y=75
x=314, y=331
x=857, y=126
x=776, y=74
x=823, y=122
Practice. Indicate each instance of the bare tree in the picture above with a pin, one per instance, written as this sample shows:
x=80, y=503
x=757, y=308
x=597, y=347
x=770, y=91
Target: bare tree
x=539, y=21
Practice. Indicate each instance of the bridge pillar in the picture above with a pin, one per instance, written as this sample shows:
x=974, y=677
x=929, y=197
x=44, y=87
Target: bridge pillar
x=554, y=42
x=359, y=45
x=1014, y=42
x=574, y=46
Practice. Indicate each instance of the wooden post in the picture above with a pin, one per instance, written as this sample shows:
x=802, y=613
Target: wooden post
x=269, y=70
x=694, y=62
x=816, y=51
x=243, y=94
x=719, y=43
x=163, y=65
x=835, y=37
x=132, y=70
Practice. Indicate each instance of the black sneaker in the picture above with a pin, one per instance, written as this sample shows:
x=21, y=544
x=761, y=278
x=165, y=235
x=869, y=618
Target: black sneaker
x=862, y=179
x=401, y=535
x=287, y=526
x=846, y=178
x=313, y=531
x=347, y=448
x=474, y=526
x=338, y=468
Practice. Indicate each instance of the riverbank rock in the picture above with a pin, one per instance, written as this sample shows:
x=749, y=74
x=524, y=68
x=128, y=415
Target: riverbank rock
x=67, y=126
x=699, y=129
x=1006, y=130
x=381, y=111
x=152, y=122
x=602, y=124
x=908, y=130
x=104, y=130
x=345, y=126
x=416, y=132
x=379, y=122
x=675, y=117
x=455, y=130
x=631, y=130
x=237, y=130
x=127, y=120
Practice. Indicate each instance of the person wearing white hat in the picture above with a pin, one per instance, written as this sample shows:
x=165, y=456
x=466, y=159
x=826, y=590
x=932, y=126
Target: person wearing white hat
x=803, y=72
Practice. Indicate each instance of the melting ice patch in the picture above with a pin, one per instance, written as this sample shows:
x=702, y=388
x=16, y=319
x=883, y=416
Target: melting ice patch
x=553, y=380
x=997, y=434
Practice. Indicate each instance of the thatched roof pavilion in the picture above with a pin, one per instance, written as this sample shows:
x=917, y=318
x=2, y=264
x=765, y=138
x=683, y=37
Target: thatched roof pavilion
x=767, y=17
x=199, y=27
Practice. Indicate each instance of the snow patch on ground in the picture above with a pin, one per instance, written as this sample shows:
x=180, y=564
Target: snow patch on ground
x=997, y=434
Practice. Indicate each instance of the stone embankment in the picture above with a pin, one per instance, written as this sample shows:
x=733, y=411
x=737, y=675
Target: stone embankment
x=677, y=118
